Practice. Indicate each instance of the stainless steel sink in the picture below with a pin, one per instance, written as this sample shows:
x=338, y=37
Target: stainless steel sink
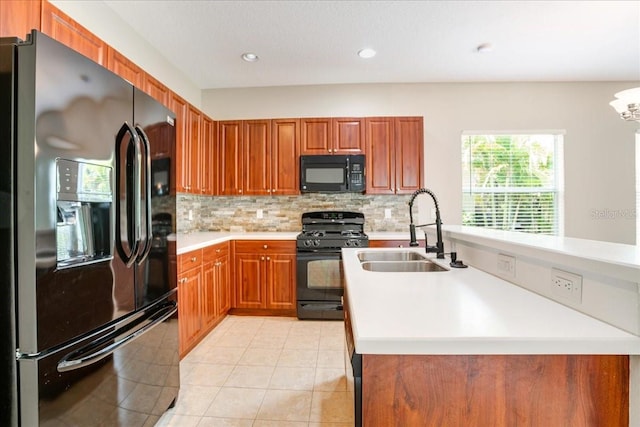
x=402, y=266
x=390, y=256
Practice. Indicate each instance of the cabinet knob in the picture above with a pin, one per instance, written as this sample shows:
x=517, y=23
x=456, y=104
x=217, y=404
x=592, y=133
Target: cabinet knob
x=194, y=259
x=262, y=258
x=264, y=246
x=240, y=191
x=268, y=258
x=218, y=250
x=329, y=149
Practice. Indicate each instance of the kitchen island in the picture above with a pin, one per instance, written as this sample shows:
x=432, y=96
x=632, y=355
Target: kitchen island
x=463, y=347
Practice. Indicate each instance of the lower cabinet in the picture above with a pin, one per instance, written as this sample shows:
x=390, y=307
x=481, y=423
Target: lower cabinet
x=203, y=292
x=389, y=243
x=265, y=276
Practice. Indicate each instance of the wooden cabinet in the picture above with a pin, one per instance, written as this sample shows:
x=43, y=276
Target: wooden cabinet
x=332, y=136
x=157, y=90
x=192, y=148
x=394, y=154
x=270, y=157
x=208, y=157
x=230, y=157
x=61, y=27
x=190, y=284
x=265, y=274
x=122, y=66
x=390, y=243
x=179, y=106
x=19, y=17
x=203, y=292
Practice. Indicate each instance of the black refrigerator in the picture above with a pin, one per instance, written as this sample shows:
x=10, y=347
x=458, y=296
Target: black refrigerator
x=88, y=296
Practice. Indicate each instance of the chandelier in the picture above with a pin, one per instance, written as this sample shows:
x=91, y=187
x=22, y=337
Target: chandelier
x=627, y=104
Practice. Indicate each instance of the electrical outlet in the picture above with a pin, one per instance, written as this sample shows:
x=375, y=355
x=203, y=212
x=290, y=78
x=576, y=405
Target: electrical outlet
x=387, y=214
x=259, y=214
x=507, y=265
x=566, y=285
x=190, y=214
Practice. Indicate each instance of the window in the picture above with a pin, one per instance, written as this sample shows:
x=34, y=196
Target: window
x=637, y=212
x=513, y=181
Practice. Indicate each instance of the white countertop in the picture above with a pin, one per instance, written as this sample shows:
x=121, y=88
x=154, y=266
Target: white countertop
x=466, y=311
x=192, y=241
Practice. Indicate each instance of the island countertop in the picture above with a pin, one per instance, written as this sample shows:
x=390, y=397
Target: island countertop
x=466, y=311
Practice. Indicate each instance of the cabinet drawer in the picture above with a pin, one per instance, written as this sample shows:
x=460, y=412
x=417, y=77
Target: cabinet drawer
x=189, y=260
x=266, y=246
x=215, y=251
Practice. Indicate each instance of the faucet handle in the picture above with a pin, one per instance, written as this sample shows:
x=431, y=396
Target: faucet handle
x=412, y=234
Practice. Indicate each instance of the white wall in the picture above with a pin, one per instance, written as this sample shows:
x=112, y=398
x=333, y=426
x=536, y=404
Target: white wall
x=107, y=25
x=599, y=147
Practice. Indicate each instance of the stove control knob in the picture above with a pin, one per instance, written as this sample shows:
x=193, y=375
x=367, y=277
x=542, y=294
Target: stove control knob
x=307, y=243
x=316, y=242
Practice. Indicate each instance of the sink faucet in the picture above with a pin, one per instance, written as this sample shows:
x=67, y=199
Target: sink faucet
x=439, y=247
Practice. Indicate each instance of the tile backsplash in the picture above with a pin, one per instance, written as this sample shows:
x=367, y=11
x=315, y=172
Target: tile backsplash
x=282, y=213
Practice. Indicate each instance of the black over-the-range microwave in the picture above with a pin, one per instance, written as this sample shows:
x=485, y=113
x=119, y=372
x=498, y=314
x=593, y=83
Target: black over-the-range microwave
x=332, y=174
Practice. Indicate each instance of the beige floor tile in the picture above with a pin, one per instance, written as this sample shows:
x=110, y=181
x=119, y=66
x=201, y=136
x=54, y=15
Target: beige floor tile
x=260, y=357
x=233, y=339
x=329, y=424
x=268, y=423
x=331, y=359
x=306, y=327
x=331, y=407
x=298, y=358
x=285, y=405
x=224, y=422
x=176, y=420
x=302, y=342
x=194, y=400
x=286, y=378
x=250, y=376
x=268, y=341
x=331, y=342
x=330, y=379
x=219, y=355
x=232, y=402
x=207, y=374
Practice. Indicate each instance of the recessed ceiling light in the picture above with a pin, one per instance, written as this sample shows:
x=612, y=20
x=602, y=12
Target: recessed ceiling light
x=366, y=53
x=250, y=57
x=484, y=48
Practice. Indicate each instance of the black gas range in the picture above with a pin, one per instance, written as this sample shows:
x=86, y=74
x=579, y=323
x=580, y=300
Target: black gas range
x=319, y=260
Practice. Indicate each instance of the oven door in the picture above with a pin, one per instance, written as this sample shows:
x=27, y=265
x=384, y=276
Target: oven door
x=319, y=285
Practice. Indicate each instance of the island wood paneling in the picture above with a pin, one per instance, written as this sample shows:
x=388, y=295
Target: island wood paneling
x=495, y=390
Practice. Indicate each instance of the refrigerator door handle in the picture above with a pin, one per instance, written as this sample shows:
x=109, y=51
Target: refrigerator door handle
x=73, y=361
x=146, y=167
x=132, y=213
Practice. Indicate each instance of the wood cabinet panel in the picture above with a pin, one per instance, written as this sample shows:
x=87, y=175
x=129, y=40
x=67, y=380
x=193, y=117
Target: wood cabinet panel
x=179, y=106
x=157, y=90
x=223, y=284
x=192, y=150
x=495, y=390
x=256, y=154
x=230, y=157
x=315, y=136
x=122, y=66
x=19, y=17
x=189, y=260
x=380, y=155
x=409, y=154
x=208, y=293
x=389, y=243
x=348, y=135
x=208, y=157
x=285, y=154
x=281, y=282
x=62, y=28
x=250, y=280
x=189, y=291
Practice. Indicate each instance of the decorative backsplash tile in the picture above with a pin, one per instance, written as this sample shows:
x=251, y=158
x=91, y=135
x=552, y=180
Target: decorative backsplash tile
x=282, y=213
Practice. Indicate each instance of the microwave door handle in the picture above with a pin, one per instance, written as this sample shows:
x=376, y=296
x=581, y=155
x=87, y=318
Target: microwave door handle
x=128, y=257
x=146, y=170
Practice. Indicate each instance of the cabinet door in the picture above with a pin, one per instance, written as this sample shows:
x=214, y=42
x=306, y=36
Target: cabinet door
x=208, y=159
x=189, y=286
x=250, y=280
x=157, y=90
x=209, y=312
x=122, y=66
x=19, y=17
x=223, y=285
x=256, y=152
x=348, y=135
x=409, y=153
x=315, y=136
x=380, y=155
x=285, y=156
x=179, y=107
x=192, y=149
x=230, y=157
x=62, y=28
x=281, y=281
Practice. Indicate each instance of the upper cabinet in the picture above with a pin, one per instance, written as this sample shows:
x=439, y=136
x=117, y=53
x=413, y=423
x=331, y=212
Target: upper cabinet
x=332, y=136
x=122, y=66
x=230, y=157
x=62, y=28
x=208, y=157
x=285, y=154
x=394, y=154
x=19, y=17
x=256, y=152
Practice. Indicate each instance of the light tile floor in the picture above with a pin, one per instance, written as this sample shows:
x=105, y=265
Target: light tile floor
x=265, y=372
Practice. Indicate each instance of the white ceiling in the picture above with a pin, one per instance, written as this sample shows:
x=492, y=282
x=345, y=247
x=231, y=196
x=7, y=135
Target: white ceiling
x=315, y=42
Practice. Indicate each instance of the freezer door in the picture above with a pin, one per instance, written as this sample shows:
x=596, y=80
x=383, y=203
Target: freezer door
x=124, y=376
